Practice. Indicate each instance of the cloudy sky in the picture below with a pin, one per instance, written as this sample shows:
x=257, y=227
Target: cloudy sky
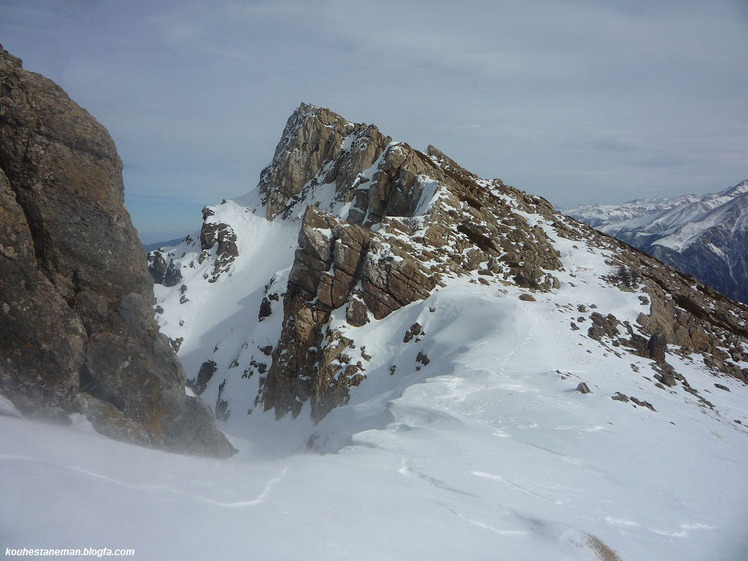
x=580, y=101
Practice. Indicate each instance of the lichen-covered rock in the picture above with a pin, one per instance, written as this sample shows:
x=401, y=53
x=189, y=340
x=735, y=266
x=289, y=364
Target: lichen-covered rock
x=75, y=292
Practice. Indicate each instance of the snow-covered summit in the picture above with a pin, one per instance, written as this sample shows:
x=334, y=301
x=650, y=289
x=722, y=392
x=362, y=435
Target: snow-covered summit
x=346, y=228
x=706, y=236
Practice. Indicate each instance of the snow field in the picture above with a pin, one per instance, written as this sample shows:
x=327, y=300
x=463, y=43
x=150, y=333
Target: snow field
x=485, y=451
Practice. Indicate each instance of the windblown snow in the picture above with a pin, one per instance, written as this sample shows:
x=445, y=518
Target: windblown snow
x=483, y=451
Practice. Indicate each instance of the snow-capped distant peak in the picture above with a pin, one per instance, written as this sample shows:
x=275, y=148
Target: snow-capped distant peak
x=706, y=236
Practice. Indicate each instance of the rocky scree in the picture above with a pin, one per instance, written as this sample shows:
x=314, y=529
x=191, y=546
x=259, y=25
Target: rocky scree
x=681, y=312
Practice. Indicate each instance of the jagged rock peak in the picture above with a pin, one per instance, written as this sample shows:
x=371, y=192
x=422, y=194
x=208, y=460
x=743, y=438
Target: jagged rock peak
x=404, y=222
x=353, y=171
x=382, y=224
x=375, y=226
x=75, y=294
x=318, y=147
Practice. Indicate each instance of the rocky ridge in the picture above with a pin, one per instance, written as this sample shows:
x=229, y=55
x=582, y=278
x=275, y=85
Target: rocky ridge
x=400, y=210
x=78, y=334
x=382, y=225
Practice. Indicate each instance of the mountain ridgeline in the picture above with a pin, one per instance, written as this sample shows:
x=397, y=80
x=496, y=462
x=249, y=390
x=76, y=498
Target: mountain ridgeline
x=361, y=227
x=78, y=334
x=703, y=235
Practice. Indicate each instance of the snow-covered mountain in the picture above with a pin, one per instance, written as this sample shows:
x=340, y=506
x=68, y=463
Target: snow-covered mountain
x=705, y=236
x=414, y=363
x=600, y=215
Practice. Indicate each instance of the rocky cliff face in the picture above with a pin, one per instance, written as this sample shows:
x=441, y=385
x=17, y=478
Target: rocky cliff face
x=469, y=226
x=77, y=326
x=405, y=220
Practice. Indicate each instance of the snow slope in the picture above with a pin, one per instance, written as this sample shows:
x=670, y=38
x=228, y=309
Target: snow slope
x=216, y=318
x=467, y=437
x=486, y=452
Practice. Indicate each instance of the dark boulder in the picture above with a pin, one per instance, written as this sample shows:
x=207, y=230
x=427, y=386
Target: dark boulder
x=583, y=388
x=163, y=272
x=657, y=346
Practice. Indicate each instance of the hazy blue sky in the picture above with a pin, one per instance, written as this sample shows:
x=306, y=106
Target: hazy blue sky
x=579, y=101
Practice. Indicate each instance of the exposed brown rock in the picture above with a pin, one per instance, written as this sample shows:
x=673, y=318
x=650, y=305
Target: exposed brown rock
x=390, y=248
x=337, y=264
x=657, y=346
x=163, y=272
x=682, y=311
x=583, y=388
x=313, y=138
x=603, y=326
x=356, y=314
x=222, y=237
x=77, y=322
x=266, y=308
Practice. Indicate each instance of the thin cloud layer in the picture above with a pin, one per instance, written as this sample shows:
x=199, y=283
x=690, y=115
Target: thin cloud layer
x=579, y=101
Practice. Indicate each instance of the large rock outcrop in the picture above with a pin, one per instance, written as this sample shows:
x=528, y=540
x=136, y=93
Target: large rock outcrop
x=388, y=223
x=76, y=318
x=337, y=264
x=379, y=226
x=318, y=147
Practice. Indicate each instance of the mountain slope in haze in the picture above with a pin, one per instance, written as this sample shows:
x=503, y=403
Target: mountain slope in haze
x=430, y=334
x=705, y=236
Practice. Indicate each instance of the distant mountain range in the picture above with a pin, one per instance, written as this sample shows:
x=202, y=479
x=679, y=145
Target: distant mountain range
x=157, y=245
x=703, y=235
